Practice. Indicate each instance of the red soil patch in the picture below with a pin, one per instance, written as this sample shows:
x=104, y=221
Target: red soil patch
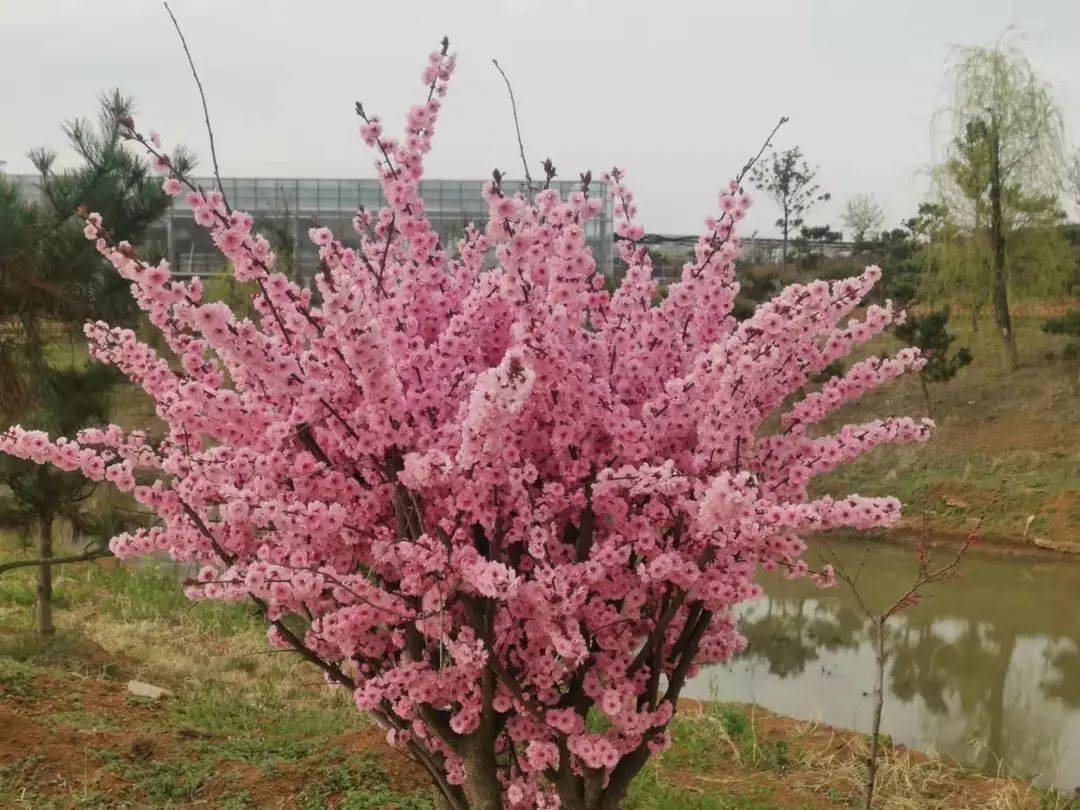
x=405, y=774
x=57, y=758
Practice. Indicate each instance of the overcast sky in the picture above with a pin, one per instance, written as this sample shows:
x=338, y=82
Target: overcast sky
x=677, y=92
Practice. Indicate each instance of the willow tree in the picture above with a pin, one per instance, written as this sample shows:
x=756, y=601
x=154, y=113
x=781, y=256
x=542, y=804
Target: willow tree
x=1072, y=180
x=996, y=187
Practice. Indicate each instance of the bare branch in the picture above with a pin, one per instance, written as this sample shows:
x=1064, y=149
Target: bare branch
x=517, y=127
x=768, y=142
x=924, y=575
x=202, y=95
x=73, y=558
x=927, y=576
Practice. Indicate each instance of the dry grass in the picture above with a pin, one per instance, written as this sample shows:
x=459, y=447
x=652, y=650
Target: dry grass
x=745, y=750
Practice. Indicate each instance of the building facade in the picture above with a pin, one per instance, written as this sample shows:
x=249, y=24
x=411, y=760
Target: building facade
x=284, y=209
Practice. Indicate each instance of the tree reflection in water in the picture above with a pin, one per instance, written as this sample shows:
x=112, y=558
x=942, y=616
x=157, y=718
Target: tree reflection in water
x=986, y=668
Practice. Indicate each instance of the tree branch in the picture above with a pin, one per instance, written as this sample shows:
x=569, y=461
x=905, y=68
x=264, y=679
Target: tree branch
x=202, y=95
x=517, y=128
x=73, y=558
x=768, y=142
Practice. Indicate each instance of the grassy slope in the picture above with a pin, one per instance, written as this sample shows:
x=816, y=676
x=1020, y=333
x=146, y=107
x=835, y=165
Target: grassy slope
x=1007, y=449
x=250, y=728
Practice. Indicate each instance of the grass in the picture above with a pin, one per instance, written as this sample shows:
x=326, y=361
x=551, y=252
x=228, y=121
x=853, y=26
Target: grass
x=1007, y=447
x=249, y=728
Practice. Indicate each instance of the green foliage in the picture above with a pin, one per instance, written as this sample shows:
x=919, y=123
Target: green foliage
x=51, y=273
x=237, y=294
x=809, y=247
x=929, y=333
x=65, y=401
x=834, y=369
x=16, y=678
x=722, y=732
x=169, y=783
x=1003, y=116
x=819, y=234
x=359, y=783
x=52, y=280
x=1067, y=324
x=660, y=794
x=15, y=773
x=148, y=593
x=901, y=255
x=756, y=284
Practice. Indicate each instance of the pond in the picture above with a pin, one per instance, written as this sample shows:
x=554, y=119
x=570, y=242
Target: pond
x=985, y=669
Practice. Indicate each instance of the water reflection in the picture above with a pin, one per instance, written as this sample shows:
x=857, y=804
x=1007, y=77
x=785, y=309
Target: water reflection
x=986, y=668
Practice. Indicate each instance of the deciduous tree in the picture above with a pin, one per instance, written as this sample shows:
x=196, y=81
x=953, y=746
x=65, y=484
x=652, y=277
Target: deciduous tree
x=508, y=510
x=789, y=180
x=863, y=216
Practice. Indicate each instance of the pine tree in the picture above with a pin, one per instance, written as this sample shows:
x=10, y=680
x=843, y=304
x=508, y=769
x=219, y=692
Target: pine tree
x=51, y=282
x=929, y=333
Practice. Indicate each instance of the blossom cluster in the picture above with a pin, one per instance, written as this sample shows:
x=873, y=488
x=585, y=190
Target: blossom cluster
x=499, y=499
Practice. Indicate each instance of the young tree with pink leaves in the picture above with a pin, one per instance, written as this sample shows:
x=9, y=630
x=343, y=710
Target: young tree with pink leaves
x=509, y=511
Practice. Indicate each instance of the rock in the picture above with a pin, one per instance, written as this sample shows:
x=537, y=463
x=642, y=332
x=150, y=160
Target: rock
x=1027, y=525
x=147, y=690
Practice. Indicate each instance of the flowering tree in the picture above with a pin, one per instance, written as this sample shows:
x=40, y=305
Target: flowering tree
x=510, y=511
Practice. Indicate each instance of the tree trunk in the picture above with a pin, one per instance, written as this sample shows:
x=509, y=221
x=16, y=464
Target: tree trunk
x=926, y=395
x=997, y=240
x=44, y=588
x=879, y=702
x=482, y=783
x=482, y=786
x=783, y=248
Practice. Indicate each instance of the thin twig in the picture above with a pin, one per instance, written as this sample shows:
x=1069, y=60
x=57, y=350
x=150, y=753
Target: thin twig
x=768, y=142
x=202, y=95
x=90, y=555
x=517, y=127
x=924, y=575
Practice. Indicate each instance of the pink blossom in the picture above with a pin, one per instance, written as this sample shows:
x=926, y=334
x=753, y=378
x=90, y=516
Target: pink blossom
x=474, y=472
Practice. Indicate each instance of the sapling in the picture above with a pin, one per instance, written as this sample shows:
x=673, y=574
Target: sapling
x=926, y=573
x=929, y=333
